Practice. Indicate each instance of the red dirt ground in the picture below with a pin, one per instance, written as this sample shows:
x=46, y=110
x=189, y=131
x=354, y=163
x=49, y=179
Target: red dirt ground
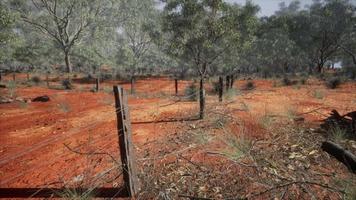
x=32, y=136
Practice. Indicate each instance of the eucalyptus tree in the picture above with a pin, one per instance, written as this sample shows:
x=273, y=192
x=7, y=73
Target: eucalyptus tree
x=200, y=31
x=139, y=16
x=319, y=29
x=348, y=40
x=7, y=34
x=247, y=24
x=63, y=21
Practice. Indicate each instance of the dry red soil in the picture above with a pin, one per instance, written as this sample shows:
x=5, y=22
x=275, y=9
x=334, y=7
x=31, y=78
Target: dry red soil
x=33, y=136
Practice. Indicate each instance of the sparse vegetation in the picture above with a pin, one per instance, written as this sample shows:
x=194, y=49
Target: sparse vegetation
x=237, y=146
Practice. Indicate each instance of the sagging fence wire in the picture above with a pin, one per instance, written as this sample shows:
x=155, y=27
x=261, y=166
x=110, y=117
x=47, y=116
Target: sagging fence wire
x=77, y=150
x=51, y=162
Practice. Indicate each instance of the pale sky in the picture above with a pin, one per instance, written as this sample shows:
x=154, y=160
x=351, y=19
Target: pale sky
x=268, y=7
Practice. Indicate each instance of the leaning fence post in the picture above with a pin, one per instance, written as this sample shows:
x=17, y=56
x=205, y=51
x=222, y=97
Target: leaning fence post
x=176, y=86
x=97, y=84
x=125, y=142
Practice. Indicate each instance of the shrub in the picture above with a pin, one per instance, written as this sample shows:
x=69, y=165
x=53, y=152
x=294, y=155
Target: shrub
x=318, y=94
x=350, y=72
x=191, y=92
x=67, y=84
x=337, y=134
x=36, y=80
x=106, y=76
x=250, y=85
x=12, y=88
x=286, y=81
x=216, y=87
x=333, y=83
x=237, y=146
x=303, y=81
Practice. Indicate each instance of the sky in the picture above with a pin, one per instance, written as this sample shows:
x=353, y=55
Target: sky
x=268, y=7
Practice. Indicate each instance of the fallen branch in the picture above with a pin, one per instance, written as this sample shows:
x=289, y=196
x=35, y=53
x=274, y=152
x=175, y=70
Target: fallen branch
x=346, y=157
x=92, y=153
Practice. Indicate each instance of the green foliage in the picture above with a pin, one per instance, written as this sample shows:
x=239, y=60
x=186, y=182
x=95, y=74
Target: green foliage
x=7, y=35
x=201, y=32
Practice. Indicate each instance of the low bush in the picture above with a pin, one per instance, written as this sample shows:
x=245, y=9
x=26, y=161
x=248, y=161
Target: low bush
x=36, y=80
x=333, y=83
x=191, y=92
x=303, y=81
x=67, y=84
x=106, y=76
x=286, y=81
x=216, y=87
x=250, y=85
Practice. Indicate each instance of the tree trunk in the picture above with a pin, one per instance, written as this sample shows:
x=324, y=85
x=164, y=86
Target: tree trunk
x=133, y=85
x=67, y=61
x=28, y=76
x=176, y=86
x=232, y=80
x=221, y=88
x=14, y=76
x=201, y=98
x=320, y=68
x=227, y=82
x=342, y=155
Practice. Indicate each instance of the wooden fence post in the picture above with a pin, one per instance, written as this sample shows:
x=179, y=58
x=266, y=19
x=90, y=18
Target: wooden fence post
x=125, y=142
x=97, y=84
x=221, y=88
x=176, y=85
